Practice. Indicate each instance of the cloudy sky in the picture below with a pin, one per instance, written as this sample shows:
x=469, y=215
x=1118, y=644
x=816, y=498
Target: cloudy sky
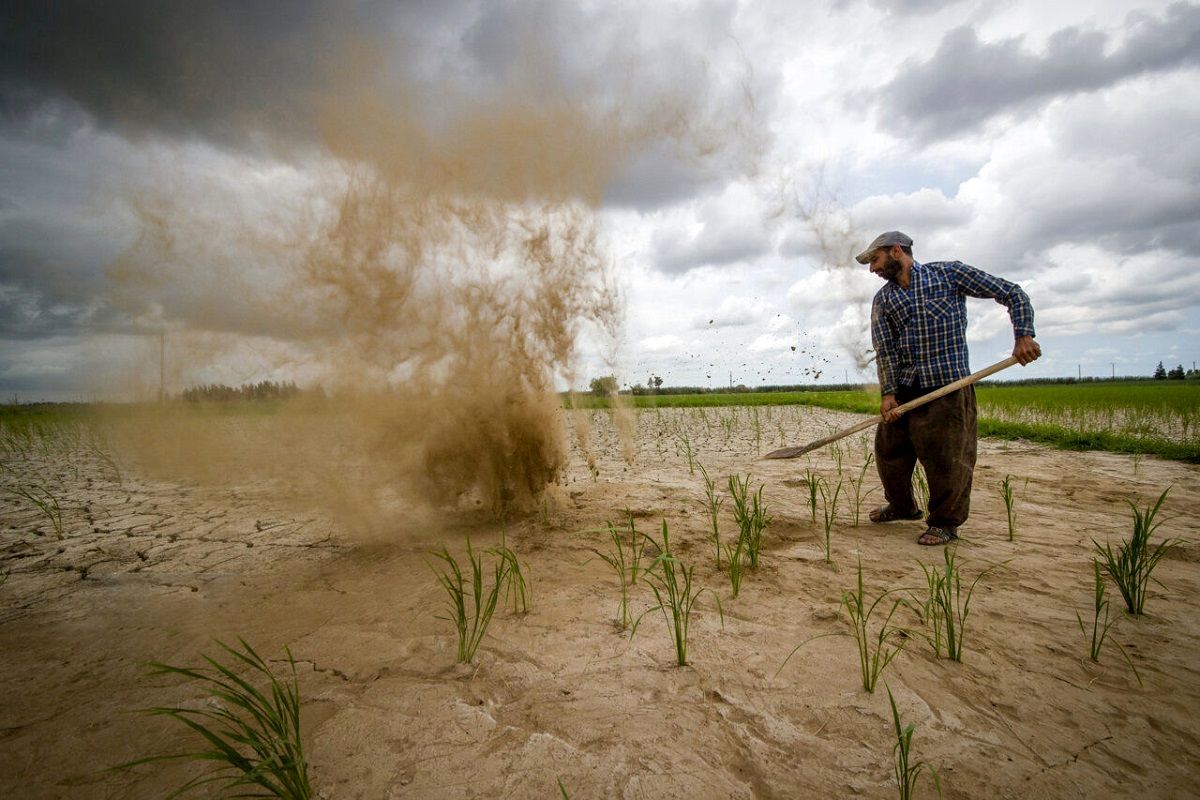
x=159, y=163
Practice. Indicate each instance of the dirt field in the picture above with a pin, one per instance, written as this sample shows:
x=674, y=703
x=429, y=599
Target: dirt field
x=156, y=569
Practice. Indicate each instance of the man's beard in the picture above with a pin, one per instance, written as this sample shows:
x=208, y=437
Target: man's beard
x=891, y=268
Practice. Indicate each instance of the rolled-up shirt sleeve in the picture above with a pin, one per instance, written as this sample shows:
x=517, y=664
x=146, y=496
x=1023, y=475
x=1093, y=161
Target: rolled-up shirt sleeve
x=883, y=339
x=977, y=283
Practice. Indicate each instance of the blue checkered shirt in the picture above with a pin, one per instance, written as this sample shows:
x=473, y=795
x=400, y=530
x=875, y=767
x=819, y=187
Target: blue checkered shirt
x=920, y=333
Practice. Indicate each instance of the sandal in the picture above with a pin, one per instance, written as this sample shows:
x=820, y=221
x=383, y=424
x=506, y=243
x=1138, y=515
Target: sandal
x=889, y=514
x=934, y=536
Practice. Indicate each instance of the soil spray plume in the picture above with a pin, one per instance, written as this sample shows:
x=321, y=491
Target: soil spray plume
x=432, y=274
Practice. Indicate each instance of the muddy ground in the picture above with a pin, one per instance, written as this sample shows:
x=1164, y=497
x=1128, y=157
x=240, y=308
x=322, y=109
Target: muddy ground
x=154, y=566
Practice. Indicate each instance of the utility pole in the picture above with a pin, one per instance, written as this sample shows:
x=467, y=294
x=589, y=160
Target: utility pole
x=1114, y=366
x=1078, y=372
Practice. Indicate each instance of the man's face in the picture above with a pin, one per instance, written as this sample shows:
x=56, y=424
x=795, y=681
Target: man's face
x=885, y=265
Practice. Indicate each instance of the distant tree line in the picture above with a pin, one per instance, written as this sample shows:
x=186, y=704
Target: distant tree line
x=1161, y=373
x=220, y=393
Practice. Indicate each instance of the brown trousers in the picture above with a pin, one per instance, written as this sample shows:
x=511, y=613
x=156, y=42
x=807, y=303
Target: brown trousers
x=941, y=435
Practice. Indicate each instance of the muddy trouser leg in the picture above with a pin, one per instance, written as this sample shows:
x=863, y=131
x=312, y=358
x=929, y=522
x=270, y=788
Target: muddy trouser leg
x=895, y=459
x=944, y=436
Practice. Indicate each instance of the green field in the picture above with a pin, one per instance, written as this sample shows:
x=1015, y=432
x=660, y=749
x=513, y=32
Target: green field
x=1152, y=417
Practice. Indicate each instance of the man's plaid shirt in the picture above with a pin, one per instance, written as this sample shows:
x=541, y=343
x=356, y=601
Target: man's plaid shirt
x=920, y=334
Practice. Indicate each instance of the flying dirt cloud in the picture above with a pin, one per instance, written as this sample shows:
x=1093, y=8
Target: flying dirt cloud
x=414, y=221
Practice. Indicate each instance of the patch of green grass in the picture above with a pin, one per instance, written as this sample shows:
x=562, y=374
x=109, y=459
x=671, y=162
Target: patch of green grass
x=252, y=732
x=626, y=560
x=1133, y=562
x=907, y=771
x=948, y=606
x=1101, y=627
x=671, y=581
x=876, y=644
x=470, y=603
x=712, y=507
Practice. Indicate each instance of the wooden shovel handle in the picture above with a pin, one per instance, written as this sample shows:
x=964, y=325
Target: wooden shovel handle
x=792, y=452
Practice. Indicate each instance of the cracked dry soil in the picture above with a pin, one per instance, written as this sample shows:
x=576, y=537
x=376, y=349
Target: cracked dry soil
x=155, y=569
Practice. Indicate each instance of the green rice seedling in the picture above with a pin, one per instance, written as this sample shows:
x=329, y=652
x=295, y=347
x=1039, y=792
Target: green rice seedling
x=838, y=454
x=671, y=581
x=907, y=772
x=812, y=482
x=1006, y=494
x=252, y=734
x=1133, y=562
x=1101, y=627
x=46, y=502
x=750, y=515
x=735, y=562
x=920, y=488
x=929, y=611
x=757, y=429
x=949, y=602
x=875, y=650
x=876, y=647
x=685, y=441
x=470, y=623
x=712, y=506
x=626, y=562
x=829, y=501
x=516, y=583
x=856, y=485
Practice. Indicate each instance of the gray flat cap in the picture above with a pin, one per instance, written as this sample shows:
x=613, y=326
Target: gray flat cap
x=883, y=240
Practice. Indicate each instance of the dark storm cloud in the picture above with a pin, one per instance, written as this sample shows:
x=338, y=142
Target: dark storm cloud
x=967, y=81
x=212, y=70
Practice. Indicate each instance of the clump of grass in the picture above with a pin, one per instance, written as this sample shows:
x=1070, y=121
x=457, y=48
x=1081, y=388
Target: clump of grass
x=252, y=733
x=46, y=502
x=735, y=563
x=876, y=647
x=948, y=606
x=1101, y=627
x=750, y=514
x=1133, y=562
x=671, y=581
x=626, y=560
x=907, y=771
x=712, y=506
x=1006, y=494
x=812, y=482
x=516, y=582
x=471, y=606
x=829, y=501
x=875, y=650
x=685, y=440
x=856, y=484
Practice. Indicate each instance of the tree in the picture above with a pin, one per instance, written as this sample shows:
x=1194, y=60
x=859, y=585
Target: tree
x=654, y=383
x=604, y=386
x=1160, y=372
x=1176, y=374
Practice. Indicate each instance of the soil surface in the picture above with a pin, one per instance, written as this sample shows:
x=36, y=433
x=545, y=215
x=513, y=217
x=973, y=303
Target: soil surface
x=151, y=569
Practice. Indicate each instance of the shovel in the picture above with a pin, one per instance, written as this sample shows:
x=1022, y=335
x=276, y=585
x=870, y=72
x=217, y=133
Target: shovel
x=792, y=452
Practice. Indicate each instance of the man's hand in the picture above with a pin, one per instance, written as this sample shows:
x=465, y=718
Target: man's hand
x=1026, y=350
x=887, y=408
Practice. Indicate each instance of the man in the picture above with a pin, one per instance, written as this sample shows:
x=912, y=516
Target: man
x=918, y=329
